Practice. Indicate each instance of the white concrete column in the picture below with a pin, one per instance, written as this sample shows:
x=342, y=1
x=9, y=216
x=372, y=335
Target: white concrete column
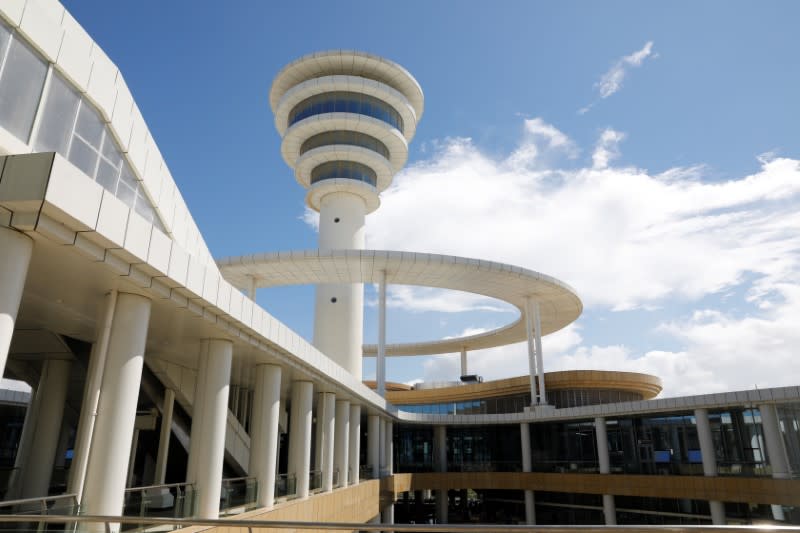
x=464, y=368
x=339, y=307
x=604, y=463
x=354, y=461
x=91, y=397
x=52, y=391
x=709, y=457
x=14, y=260
x=387, y=514
x=532, y=369
x=374, y=440
x=164, y=437
x=24, y=447
x=328, y=431
x=341, y=444
x=380, y=363
x=382, y=446
x=300, y=435
x=537, y=325
x=265, y=432
x=215, y=420
x=527, y=466
x=104, y=485
x=196, y=438
x=776, y=450
x=316, y=464
x=389, y=447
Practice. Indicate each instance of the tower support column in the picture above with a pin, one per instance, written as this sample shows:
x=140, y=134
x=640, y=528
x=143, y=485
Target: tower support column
x=214, y=395
x=533, y=369
x=464, y=368
x=341, y=445
x=339, y=307
x=104, y=486
x=354, y=461
x=709, y=457
x=300, y=435
x=14, y=261
x=265, y=432
x=604, y=463
x=527, y=466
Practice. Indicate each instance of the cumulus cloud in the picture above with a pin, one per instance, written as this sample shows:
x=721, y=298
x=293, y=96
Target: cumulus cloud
x=626, y=239
x=607, y=148
x=611, y=81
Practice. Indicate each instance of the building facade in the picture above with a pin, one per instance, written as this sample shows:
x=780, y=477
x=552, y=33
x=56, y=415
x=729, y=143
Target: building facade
x=152, y=365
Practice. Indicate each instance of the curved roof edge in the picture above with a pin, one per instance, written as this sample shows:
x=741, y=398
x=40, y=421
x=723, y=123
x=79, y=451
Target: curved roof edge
x=347, y=62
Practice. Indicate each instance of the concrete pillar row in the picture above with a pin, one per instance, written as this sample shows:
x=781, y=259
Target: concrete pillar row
x=341, y=444
x=389, y=448
x=104, y=485
x=709, y=458
x=328, y=429
x=14, y=261
x=265, y=431
x=354, y=461
x=373, y=441
x=36, y=465
x=776, y=450
x=601, y=433
x=300, y=435
x=213, y=393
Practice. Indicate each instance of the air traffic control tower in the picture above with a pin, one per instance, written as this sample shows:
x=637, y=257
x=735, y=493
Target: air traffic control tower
x=346, y=119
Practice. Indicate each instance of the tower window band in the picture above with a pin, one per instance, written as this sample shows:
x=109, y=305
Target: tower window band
x=349, y=138
x=346, y=102
x=349, y=170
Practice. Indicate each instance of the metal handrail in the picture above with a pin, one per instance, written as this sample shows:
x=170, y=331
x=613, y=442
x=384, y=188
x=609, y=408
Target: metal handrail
x=162, y=486
x=243, y=478
x=411, y=528
x=35, y=500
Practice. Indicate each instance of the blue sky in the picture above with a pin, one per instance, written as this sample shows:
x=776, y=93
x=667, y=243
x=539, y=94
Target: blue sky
x=670, y=203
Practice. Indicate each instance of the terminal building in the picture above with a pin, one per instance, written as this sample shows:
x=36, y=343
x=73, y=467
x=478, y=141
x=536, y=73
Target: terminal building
x=160, y=387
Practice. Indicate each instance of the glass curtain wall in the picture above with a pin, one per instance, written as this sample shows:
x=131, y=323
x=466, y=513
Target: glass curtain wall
x=43, y=110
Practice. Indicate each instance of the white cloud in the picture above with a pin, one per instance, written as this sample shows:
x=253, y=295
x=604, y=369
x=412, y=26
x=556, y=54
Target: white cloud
x=611, y=81
x=607, y=148
x=421, y=299
x=626, y=239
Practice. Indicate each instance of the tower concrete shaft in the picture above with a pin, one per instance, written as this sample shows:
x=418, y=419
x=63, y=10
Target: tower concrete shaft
x=346, y=119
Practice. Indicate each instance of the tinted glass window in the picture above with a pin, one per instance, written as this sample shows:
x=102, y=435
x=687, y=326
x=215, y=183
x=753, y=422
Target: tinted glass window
x=22, y=75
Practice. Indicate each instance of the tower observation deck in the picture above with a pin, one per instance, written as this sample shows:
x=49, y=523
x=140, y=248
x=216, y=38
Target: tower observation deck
x=346, y=119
